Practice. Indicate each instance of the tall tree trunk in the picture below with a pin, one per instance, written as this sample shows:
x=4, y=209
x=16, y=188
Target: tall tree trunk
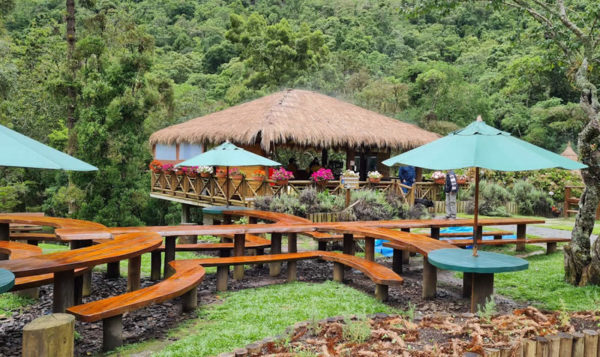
x=72, y=72
x=582, y=265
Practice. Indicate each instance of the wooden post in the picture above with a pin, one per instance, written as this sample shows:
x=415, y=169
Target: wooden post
x=238, y=251
x=190, y=299
x=155, y=265
x=275, y=268
x=4, y=235
x=381, y=292
x=322, y=245
x=222, y=277
x=112, y=331
x=113, y=270
x=551, y=247
x=435, y=232
x=338, y=272
x=78, y=290
x=64, y=290
x=292, y=265
x=566, y=203
x=348, y=244
x=566, y=344
x=491, y=352
x=542, y=346
x=482, y=289
x=578, y=345
x=370, y=249
x=49, y=336
x=405, y=253
x=528, y=347
x=521, y=234
x=397, y=261
x=169, y=255
x=134, y=270
x=429, y=279
x=590, y=342
x=467, y=284
x=554, y=343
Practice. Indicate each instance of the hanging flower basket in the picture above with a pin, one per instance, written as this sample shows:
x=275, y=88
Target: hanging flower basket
x=237, y=177
x=205, y=174
x=321, y=183
x=282, y=182
x=374, y=180
x=440, y=181
x=258, y=178
x=221, y=173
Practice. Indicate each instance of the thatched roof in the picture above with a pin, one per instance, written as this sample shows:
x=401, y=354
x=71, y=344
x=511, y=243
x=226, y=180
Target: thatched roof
x=569, y=153
x=297, y=117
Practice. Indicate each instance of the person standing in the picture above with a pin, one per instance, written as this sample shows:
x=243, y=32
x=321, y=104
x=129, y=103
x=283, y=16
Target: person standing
x=406, y=174
x=451, y=189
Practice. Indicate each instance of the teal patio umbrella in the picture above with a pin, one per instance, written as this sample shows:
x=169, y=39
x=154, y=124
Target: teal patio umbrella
x=482, y=146
x=228, y=155
x=21, y=151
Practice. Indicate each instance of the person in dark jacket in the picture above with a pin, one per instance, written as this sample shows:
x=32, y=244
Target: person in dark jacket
x=451, y=189
x=406, y=174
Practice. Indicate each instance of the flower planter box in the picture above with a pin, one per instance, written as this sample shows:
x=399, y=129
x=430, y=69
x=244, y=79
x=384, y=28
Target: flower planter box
x=374, y=180
x=205, y=174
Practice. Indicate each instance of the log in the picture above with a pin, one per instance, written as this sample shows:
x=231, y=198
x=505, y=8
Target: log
x=381, y=292
x=491, y=352
x=134, y=271
x=112, y=332
x=554, y=343
x=578, y=346
x=566, y=344
x=275, y=268
x=190, y=300
x=590, y=342
x=429, y=279
x=542, y=346
x=49, y=336
x=528, y=348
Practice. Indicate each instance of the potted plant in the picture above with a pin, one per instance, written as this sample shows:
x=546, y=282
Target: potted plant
x=282, y=176
x=321, y=176
x=462, y=179
x=236, y=174
x=259, y=175
x=205, y=171
x=221, y=173
x=156, y=166
x=191, y=171
x=374, y=176
x=167, y=168
x=438, y=177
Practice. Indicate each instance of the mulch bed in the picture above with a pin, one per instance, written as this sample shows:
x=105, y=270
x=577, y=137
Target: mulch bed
x=154, y=321
x=440, y=334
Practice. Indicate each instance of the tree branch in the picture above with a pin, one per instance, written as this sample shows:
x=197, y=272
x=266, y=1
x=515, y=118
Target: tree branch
x=565, y=20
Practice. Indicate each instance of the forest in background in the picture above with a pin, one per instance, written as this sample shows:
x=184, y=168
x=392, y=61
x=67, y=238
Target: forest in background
x=143, y=65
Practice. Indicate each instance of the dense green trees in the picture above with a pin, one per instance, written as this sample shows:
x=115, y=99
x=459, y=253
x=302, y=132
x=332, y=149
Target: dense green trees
x=145, y=64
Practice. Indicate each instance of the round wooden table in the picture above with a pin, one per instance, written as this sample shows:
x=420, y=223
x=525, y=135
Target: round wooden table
x=478, y=280
x=7, y=280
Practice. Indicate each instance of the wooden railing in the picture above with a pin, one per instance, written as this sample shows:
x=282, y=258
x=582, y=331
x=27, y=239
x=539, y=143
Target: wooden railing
x=213, y=190
x=572, y=199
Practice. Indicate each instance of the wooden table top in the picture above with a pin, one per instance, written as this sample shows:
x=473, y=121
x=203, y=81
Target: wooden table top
x=7, y=280
x=122, y=247
x=485, y=262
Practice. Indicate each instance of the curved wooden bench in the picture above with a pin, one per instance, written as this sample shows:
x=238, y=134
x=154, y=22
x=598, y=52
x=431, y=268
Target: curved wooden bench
x=551, y=243
x=379, y=274
x=497, y=234
x=187, y=275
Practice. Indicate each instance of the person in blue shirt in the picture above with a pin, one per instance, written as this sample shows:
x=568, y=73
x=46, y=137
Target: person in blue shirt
x=451, y=189
x=406, y=174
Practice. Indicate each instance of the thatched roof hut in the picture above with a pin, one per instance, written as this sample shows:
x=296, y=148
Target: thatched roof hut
x=298, y=118
x=569, y=153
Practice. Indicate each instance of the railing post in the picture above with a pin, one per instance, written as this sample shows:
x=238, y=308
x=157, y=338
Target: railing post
x=566, y=203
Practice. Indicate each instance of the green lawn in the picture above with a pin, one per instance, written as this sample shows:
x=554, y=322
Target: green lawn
x=543, y=284
x=250, y=315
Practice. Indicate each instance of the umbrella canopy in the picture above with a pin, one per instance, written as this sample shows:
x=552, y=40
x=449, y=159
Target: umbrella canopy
x=228, y=154
x=480, y=145
x=20, y=151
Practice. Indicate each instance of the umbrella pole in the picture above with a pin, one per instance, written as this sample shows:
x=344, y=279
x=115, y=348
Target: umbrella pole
x=227, y=186
x=476, y=213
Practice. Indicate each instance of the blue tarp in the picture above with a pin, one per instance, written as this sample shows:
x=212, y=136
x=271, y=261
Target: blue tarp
x=388, y=252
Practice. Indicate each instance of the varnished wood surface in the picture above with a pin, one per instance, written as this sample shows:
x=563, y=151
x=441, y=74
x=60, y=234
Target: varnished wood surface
x=188, y=273
x=16, y=250
x=34, y=236
x=376, y=272
x=470, y=234
x=34, y=281
x=467, y=242
x=122, y=247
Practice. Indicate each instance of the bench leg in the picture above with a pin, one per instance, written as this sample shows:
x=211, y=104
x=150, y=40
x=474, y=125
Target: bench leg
x=467, y=284
x=78, y=290
x=482, y=290
x=222, y=277
x=32, y=242
x=275, y=268
x=190, y=299
x=348, y=244
x=370, y=249
x=155, y=265
x=322, y=245
x=87, y=284
x=551, y=247
x=397, y=261
x=112, y=332
x=169, y=255
x=113, y=270
x=381, y=292
x=238, y=251
x=134, y=267
x=224, y=253
x=521, y=234
x=64, y=290
x=292, y=271
x=429, y=279
x=338, y=272
x=259, y=251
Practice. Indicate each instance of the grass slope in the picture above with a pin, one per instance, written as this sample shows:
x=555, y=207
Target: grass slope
x=250, y=315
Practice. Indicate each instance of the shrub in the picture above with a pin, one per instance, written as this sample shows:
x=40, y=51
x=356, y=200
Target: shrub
x=492, y=199
x=531, y=200
x=417, y=211
x=370, y=205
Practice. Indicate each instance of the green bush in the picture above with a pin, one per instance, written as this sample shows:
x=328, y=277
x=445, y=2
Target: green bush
x=530, y=200
x=492, y=199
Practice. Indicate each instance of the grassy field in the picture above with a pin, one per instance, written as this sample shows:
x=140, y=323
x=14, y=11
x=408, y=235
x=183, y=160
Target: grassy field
x=250, y=315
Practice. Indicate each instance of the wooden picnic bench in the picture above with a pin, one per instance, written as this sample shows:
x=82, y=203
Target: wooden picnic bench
x=187, y=274
x=551, y=243
x=379, y=274
x=64, y=264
